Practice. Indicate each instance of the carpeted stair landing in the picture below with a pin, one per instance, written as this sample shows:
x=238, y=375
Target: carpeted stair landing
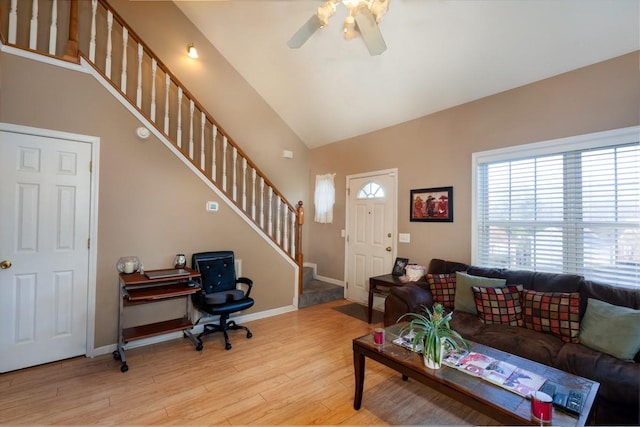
x=316, y=291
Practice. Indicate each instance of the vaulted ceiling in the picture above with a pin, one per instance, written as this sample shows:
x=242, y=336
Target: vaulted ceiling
x=440, y=53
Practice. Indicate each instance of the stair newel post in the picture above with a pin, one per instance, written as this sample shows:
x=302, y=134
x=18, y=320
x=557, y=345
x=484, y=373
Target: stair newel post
x=298, y=254
x=71, y=52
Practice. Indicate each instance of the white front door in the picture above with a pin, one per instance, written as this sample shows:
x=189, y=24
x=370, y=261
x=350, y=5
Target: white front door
x=45, y=194
x=371, y=230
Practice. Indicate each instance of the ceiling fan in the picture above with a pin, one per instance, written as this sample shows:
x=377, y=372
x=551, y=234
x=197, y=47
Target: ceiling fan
x=364, y=17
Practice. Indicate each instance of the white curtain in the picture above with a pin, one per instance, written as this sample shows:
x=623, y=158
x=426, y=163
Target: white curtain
x=325, y=197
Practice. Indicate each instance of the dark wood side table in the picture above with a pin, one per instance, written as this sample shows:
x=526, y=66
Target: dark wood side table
x=380, y=285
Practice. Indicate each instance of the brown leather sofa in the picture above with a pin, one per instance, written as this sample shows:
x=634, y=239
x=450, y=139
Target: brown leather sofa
x=618, y=401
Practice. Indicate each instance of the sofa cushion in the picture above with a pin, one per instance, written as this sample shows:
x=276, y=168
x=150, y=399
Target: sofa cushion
x=557, y=313
x=443, y=288
x=499, y=305
x=619, y=380
x=464, y=300
x=522, y=342
x=612, y=329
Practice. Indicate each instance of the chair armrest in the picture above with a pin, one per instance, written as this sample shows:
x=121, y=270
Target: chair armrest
x=245, y=281
x=405, y=299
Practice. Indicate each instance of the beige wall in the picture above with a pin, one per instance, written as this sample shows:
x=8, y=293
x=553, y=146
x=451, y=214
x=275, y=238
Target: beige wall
x=435, y=151
x=150, y=204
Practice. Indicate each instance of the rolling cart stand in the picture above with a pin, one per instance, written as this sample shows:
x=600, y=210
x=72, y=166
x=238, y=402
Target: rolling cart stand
x=154, y=286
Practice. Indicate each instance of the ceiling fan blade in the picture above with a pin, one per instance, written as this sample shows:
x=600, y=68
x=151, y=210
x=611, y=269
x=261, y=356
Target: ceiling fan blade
x=370, y=32
x=305, y=32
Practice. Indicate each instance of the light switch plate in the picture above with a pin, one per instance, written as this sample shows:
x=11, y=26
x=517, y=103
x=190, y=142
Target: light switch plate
x=404, y=237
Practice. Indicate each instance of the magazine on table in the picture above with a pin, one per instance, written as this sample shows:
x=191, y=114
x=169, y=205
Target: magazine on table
x=503, y=374
x=406, y=341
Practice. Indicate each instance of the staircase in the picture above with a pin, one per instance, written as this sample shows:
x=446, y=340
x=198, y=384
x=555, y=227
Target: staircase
x=100, y=41
x=316, y=291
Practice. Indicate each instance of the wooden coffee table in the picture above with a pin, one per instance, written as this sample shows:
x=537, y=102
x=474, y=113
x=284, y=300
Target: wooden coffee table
x=498, y=403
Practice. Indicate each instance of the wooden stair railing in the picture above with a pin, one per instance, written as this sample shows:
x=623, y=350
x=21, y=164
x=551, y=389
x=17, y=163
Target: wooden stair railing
x=96, y=33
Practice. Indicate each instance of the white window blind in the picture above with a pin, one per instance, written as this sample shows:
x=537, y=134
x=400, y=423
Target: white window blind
x=324, y=198
x=564, y=206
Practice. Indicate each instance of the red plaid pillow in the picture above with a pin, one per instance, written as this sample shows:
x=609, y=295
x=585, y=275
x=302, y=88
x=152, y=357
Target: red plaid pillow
x=443, y=288
x=555, y=312
x=499, y=305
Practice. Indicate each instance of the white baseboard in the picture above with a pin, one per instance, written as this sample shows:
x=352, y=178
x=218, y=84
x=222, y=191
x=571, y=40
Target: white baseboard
x=196, y=330
x=330, y=280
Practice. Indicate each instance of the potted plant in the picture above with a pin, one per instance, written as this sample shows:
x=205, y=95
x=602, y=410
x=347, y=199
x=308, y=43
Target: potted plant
x=432, y=335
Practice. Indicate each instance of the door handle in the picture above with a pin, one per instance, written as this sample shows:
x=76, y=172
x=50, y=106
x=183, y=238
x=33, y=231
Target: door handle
x=5, y=264
x=388, y=248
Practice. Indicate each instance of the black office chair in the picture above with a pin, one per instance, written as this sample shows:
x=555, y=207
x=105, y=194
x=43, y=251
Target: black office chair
x=219, y=295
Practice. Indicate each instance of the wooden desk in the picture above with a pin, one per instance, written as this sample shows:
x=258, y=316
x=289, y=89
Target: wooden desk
x=136, y=289
x=380, y=285
x=500, y=404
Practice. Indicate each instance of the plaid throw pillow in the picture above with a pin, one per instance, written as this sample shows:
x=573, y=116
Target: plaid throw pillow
x=499, y=305
x=443, y=288
x=557, y=313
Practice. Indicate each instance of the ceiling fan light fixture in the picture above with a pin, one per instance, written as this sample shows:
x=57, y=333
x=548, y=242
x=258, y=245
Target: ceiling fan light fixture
x=191, y=51
x=350, y=30
x=326, y=11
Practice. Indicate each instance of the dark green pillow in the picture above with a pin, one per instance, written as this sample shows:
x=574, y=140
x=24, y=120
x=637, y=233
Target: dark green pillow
x=611, y=329
x=464, y=300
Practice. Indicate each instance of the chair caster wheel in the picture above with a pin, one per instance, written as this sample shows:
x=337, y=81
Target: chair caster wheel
x=116, y=355
x=199, y=347
x=124, y=368
x=227, y=346
x=249, y=334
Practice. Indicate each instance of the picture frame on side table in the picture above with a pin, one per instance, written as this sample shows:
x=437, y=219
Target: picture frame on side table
x=399, y=265
x=431, y=205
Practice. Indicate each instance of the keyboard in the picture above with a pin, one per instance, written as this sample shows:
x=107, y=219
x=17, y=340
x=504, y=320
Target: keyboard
x=162, y=274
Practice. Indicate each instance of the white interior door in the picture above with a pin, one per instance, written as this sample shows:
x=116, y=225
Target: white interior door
x=371, y=230
x=45, y=187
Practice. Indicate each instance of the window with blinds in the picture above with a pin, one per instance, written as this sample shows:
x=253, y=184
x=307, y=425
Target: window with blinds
x=563, y=206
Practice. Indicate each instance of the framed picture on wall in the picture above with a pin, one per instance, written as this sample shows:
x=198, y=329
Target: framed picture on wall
x=431, y=205
x=399, y=265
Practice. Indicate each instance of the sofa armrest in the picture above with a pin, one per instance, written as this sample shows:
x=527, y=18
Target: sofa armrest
x=405, y=299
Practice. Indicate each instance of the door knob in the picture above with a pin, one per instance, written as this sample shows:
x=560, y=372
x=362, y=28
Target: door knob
x=388, y=248
x=5, y=264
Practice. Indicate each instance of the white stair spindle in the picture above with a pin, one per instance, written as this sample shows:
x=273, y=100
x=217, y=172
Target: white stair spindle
x=214, y=168
x=270, y=212
x=179, y=134
x=53, y=29
x=139, y=83
x=123, y=78
x=253, y=194
x=202, y=123
x=154, y=70
x=13, y=21
x=234, y=152
x=191, y=109
x=167, y=84
x=33, y=28
x=292, y=252
x=244, y=184
x=285, y=229
x=262, y=203
x=278, y=217
x=224, y=162
x=107, y=65
x=92, y=40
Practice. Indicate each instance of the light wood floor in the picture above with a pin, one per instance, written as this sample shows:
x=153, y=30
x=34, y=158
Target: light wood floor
x=296, y=370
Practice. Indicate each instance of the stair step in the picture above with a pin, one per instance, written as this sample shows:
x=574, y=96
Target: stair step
x=307, y=276
x=319, y=292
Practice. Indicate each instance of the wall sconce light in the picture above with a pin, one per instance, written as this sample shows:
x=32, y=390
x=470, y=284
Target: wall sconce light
x=191, y=51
